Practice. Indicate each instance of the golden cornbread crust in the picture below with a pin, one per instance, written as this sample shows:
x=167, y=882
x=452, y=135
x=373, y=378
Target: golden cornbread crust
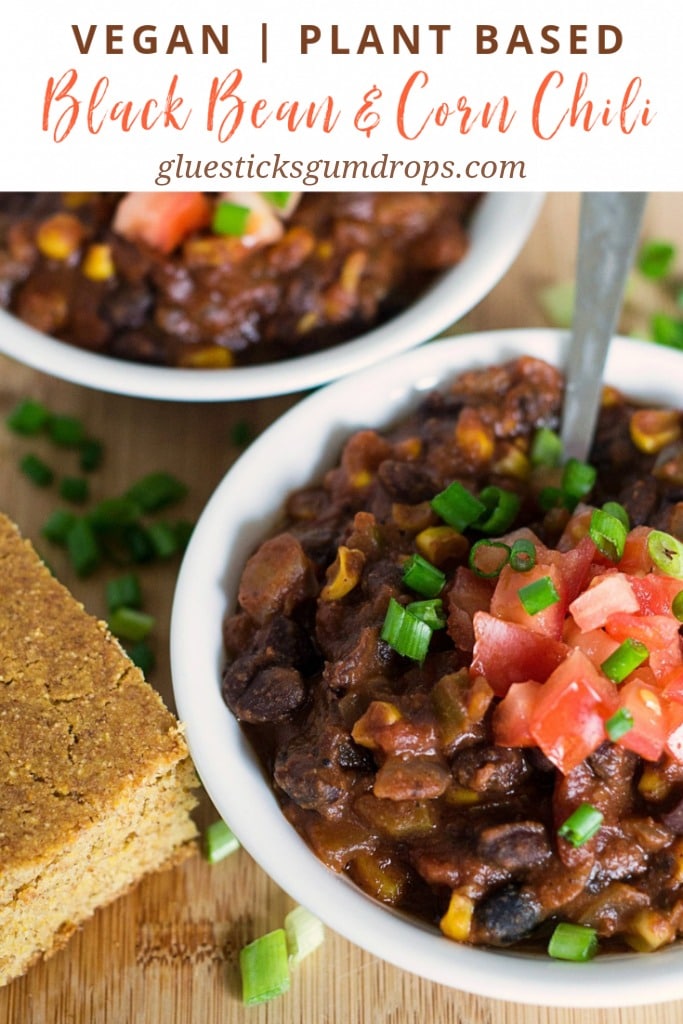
x=95, y=778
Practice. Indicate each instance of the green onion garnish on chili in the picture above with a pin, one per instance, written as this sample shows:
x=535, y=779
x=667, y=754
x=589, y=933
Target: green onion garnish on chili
x=677, y=606
x=578, y=479
x=458, y=507
x=619, y=724
x=502, y=507
x=539, y=595
x=264, y=966
x=627, y=657
x=405, y=633
x=230, y=219
x=575, y=942
x=423, y=577
x=278, y=199
x=429, y=612
x=546, y=448
x=616, y=509
x=666, y=552
x=608, y=534
x=488, y=557
x=550, y=497
x=522, y=555
x=581, y=825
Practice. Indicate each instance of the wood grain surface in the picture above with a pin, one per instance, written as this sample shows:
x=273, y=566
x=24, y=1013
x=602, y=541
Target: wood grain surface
x=167, y=952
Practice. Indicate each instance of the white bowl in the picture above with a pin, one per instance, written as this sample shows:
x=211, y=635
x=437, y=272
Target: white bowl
x=500, y=226
x=242, y=511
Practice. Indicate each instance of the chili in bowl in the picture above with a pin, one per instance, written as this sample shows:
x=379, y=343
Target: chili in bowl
x=435, y=668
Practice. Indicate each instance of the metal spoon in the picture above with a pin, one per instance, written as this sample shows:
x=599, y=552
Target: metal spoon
x=608, y=233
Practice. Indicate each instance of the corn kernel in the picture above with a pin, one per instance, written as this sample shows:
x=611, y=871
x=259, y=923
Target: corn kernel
x=512, y=462
x=98, y=264
x=438, y=544
x=213, y=357
x=60, y=236
x=307, y=322
x=72, y=200
x=362, y=478
x=386, y=881
x=648, y=930
x=343, y=574
x=324, y=250
x=458, y=796
x=409, y=448
x=652, y=784
x=473, y=437
x=379, y=715
x=352, y=271
x=610, y=396
x=457, y=920
x=653, y=429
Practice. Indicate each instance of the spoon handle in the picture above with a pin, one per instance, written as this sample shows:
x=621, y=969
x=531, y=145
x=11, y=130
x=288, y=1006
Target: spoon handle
x=608, y=234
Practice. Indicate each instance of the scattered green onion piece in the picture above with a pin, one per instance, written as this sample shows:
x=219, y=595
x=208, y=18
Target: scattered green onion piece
x=264, y=966
x=123, y=591
x=502, y=507
x=37, y=471
x=56, y=527
x=137, y=543
x=575, y=942
x=616, y=509
x=627, y=657
x=581, y=825
x=408, y=635
x=130, y=624
x=677, y=606
x=84, y=551
x=479, y=553
x=550, y=497
x=667, y=330
x=619, y=724
x=557, y=302
x=183, y=531
x=666, y=552
x=142, y=655
x=66, y=431
x=430, y=612
x=608, y=534
x=656, y=259
x=539, y=595
x=230, y=219
x=28, y=418
x=91, y=455
x=113, y=513
x=156, y=490
x=164, y=539
x=279, y=199
x=75, y=489
x=304, y=934
x=578, y=479
x=546, y=448
x=423, y=577
x=522, y=555
x=219, y=841
x=241, y=434
x=458, y=507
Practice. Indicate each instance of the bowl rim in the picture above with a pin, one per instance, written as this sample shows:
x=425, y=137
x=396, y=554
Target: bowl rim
x=502, y=223
x=220, y=751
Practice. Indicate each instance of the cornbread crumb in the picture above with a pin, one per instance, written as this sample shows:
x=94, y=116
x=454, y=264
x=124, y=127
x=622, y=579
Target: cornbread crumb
x=95, y=777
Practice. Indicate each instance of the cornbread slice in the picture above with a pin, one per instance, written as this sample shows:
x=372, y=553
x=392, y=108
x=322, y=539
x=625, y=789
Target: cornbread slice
x=95, y=777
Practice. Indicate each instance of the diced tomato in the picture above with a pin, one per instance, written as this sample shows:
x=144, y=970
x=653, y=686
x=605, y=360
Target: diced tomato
x=674, y=730
x=672, y=685
x=636, y=558
x=576, y=529
x=657, y=632
x=655, y=593
x=512, y=715
x=664, y=661
x=568, y=719
x=609, y=594
x=161, y=219
x=506, y=603
x=596, y=644
x=575, y=567
x=648, y=735
x=506, y=653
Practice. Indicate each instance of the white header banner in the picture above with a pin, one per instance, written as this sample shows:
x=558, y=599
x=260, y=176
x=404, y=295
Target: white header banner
x=448, y=95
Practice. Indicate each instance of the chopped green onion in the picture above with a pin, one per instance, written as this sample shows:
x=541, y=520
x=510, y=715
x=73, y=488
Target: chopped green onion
x=183, y=531
x=616, y=509
x=575, y=942
x=677, y=606
x=666, y=552
x=137, y=543
x=502, y=507
x=667, y=330
x=84, y=551
x=279, y=199
x=156, y=490
x=219, y=841
x=578, y=479
x=66, y=431
x=404, y=632
x=91, y=455
x=264, y=966
x=113, y=513
x=656, y=259
x=304, y=933
x=582, y=825
x=546, y=448
x=550, y=497
x=557, y=302
x=130, y=624
x=523, y=555
x=28, y=417
x=430, y=611
x=164, y=539
x=488, y=557
x=56, y=527
x=619, y=724
x=539, y=595
x=37, y=471
x=123, y=591
x=608, y=534
x=142, y=655
x=627, y=657
x=75, y=489
x=423, y=577
x=241, y=433
x=457, y=506
x=230, y=219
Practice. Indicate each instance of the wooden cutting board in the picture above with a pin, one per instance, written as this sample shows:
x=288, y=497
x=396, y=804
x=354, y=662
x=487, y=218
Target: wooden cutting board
x=167, y=952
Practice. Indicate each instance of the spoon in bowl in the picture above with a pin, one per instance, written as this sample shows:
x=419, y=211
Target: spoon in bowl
x=609, y=225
